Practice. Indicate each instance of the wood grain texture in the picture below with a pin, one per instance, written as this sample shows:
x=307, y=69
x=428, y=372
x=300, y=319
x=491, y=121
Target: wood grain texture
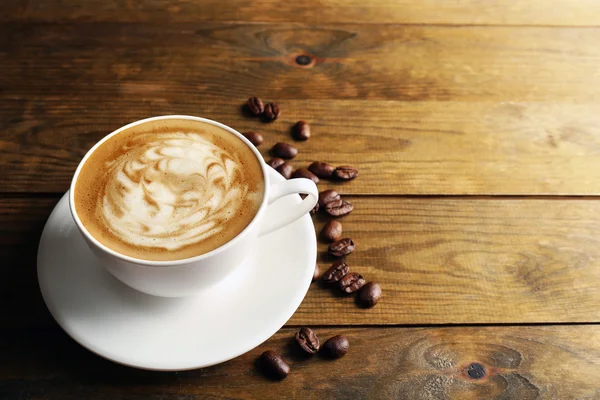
x=404, y=147
x=555, y=362
x=438, y=261
x=352, y=61
x=467, y=261
x=463, y=12
x=431, y=97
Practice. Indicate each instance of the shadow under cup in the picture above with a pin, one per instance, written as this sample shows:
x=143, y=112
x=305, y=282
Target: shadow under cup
x=186, y=276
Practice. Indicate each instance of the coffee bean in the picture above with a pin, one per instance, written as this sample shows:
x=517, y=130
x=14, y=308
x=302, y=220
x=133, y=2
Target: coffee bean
x=254, y=138
x=336, y=347
x=321, y=169
x=301, y=131
x=304, y=173
x=255, y=106
x=342, y=247
x=337, y=271
x=345, y=173
x=285, y=170
x=327, y=196
x=284, y=150
x=332, y=231
x=275, y=162
x=274, y=365
x=369, y=295
x=271, y=111
x=317, y=273
x=307, y=339
x=352, y=282
x=315, y=209
x=338, y=208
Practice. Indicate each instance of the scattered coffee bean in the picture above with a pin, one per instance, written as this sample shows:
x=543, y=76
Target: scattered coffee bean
x=337, y=271
x=308, y=340
x=327, y=196
x=255, y=106
x=321, y=169
x=284, y=150
x=315, y=209
x=345, y=173
x=301, y=131
x=304, y=173
x=254, y=138
x=369, y=295
x=317, y=273
x=271, y=111
x=352, y=282
x=274, y=365
x=342, y=247
x=285, y=170
x=275, y=162
x=338, y=208
x=336, y=347
x=332, y=231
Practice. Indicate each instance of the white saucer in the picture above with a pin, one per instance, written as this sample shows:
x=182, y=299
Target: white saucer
x=138, y=330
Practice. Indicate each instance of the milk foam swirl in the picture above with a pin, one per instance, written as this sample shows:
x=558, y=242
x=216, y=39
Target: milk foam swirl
x=171, y=190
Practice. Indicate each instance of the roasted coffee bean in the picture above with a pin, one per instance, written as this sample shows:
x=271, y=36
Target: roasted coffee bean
x=337, y=271
x=336, y=347
x=327, y=196
x=304, y=173
x=274, y=365
x=315, y=209
x=352, y=282
x=338, y=208
x=307, y=339
x=321, y=169
x=301, y=131
x=369, y=295
x=255, y=106
x=317, y=273
x=284, y=150
x=342, y=247
x=254, y=138
x=285, y=170
x=271, y=111
x=275, y=162
x=345, y=173
x=332, y=231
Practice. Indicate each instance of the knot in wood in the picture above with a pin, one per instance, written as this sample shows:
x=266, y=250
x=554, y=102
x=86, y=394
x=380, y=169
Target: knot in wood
x=476, y=371
x=304, y=60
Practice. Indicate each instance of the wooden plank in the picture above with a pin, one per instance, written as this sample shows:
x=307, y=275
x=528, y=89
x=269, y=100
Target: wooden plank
x=438, y=261
x=555, y=362
x=462, y=12
x=404, y=147
x=467, y=261
x=183, y=61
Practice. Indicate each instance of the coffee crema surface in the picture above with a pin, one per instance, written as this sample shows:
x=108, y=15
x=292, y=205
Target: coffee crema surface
x=169, y=189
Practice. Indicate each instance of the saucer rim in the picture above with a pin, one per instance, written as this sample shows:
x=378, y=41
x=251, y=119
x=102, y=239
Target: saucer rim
x=120, y=359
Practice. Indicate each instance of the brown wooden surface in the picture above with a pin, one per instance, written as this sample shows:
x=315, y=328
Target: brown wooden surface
x=474, y=125
x=463, y=12
x=525, y=363
x=186, y=62
x=405, y=147
x=439, y=261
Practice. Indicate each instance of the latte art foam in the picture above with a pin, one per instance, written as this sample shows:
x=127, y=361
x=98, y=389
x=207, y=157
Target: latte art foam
x=171, y=191
x=159, y=193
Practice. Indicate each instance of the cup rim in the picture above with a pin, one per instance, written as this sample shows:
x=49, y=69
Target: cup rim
x=183, y=261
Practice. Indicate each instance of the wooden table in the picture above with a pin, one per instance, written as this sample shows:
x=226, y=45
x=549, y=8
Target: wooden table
x=476, y=129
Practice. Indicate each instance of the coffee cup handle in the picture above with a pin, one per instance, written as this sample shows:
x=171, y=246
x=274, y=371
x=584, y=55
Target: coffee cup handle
x=291, y=186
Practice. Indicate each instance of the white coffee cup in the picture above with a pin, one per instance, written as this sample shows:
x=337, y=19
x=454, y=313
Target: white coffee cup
x=188, y=276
